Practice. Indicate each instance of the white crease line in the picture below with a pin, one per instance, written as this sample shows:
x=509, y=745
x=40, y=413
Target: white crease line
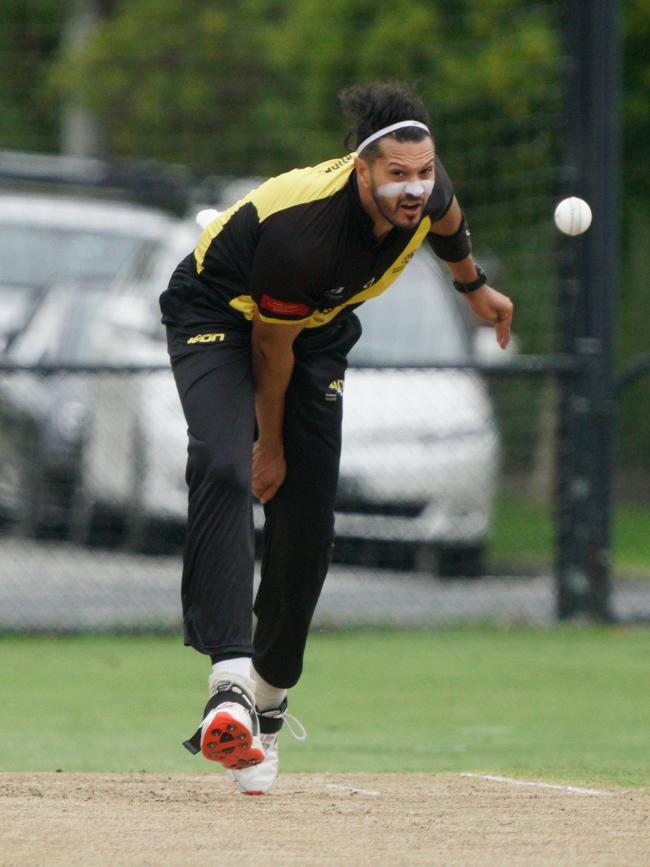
x=352, y=789
x=575, y=789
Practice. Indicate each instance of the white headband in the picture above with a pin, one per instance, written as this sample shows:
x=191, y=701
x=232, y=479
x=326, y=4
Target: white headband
x=391, y=128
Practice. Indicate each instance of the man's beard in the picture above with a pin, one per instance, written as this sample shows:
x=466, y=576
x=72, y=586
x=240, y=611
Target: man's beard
x=391, y=213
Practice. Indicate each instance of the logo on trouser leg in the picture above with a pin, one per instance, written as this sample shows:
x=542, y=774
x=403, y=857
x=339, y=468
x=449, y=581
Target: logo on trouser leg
x=334, y=390
x=207, y=338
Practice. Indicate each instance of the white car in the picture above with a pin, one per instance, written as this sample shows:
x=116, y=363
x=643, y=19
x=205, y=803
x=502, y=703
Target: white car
x=420, y=459
x=420, y=445
x=132, y=470
x=53, y=245
x=48, y=238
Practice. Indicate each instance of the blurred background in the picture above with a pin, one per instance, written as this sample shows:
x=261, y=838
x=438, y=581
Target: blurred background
x=476, y=486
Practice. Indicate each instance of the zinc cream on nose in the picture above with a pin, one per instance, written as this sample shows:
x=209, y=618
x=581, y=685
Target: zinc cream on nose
x=399, y=189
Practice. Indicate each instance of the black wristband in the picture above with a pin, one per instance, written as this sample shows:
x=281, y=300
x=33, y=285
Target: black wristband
x=473, y=285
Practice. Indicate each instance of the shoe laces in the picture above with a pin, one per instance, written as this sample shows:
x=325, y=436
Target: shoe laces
x=295, y=727
x=299, y=732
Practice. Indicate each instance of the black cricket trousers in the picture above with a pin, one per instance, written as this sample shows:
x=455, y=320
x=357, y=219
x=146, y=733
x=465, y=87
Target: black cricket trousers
x=212, y=369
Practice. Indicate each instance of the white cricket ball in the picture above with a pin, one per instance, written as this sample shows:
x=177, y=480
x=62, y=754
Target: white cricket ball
x=573, y=216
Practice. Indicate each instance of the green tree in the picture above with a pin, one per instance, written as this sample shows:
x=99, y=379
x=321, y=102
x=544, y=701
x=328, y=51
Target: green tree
x=636, y=100
x=251, y=87
x=29, y=41
x=489, y=72
x=254, y=68
x=176, y=81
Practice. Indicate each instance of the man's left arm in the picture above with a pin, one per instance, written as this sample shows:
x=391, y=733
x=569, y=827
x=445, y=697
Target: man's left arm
x=449, y=238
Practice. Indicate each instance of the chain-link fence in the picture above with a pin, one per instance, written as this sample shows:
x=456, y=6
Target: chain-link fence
x=446, y=510
x=448, y=501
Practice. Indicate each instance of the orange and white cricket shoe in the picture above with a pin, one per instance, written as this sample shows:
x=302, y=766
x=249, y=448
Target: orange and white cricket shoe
x=259, y=779
x=229, y=733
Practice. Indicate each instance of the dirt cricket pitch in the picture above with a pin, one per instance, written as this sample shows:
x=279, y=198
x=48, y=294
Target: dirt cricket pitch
x=316, y=819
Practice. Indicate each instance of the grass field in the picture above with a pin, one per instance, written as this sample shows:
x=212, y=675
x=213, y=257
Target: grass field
x=566, y=704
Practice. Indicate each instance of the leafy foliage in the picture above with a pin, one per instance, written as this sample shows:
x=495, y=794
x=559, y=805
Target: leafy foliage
x=250, y=87
x=29, y=41
x=261, y=78
x=175, y=81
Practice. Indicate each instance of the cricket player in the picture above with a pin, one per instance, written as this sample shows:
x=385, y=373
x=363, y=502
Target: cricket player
x=260, y=319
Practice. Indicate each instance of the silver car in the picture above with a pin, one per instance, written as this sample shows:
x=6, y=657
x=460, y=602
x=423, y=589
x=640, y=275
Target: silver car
x=53, y=249
x=421, y=450
x=55, y=238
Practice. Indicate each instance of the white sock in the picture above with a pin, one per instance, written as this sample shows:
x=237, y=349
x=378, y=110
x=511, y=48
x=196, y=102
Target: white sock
x=266, y=696
x=240, y=665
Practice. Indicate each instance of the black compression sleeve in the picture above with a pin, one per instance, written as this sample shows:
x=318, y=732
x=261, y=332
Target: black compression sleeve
x=452, y=248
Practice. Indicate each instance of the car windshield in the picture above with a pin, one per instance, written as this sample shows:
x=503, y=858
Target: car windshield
x=63, y=327
x=38, y=255
x=75, y=339
x=417, y=321
x=16, y=303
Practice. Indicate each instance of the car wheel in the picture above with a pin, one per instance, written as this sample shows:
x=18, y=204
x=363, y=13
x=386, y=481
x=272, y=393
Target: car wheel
x=83, y=520
x=24, y=470
x=90, y=524
x=15, y=491
x=48, y=503
x=95, y=526
x=138, y=525
x=460, y=561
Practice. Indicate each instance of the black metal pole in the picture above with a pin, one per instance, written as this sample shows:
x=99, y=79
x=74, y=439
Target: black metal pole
x=588, y=285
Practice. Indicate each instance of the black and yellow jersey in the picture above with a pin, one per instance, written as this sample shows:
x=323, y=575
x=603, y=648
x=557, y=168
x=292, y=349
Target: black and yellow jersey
x=300, y=249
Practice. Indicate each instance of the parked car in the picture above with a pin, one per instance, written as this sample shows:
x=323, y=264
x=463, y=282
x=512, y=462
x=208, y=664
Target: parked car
x=47, y=238
x=420, y=461
x=132, y=467
x=58, y=253
x=421, y=448
x=41, y=412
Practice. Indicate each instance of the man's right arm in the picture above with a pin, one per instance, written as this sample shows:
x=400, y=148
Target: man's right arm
x=485, y=302
x=273, y=360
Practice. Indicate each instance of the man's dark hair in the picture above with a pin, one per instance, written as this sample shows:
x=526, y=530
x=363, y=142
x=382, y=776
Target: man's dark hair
x=380, y=104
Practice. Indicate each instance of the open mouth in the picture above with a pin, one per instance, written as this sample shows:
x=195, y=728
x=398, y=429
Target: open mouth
x=410, y=208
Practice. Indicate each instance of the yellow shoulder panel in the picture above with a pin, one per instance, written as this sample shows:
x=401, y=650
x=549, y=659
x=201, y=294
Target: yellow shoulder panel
x=301, y=186
x=292, y=188
x=211, y=231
